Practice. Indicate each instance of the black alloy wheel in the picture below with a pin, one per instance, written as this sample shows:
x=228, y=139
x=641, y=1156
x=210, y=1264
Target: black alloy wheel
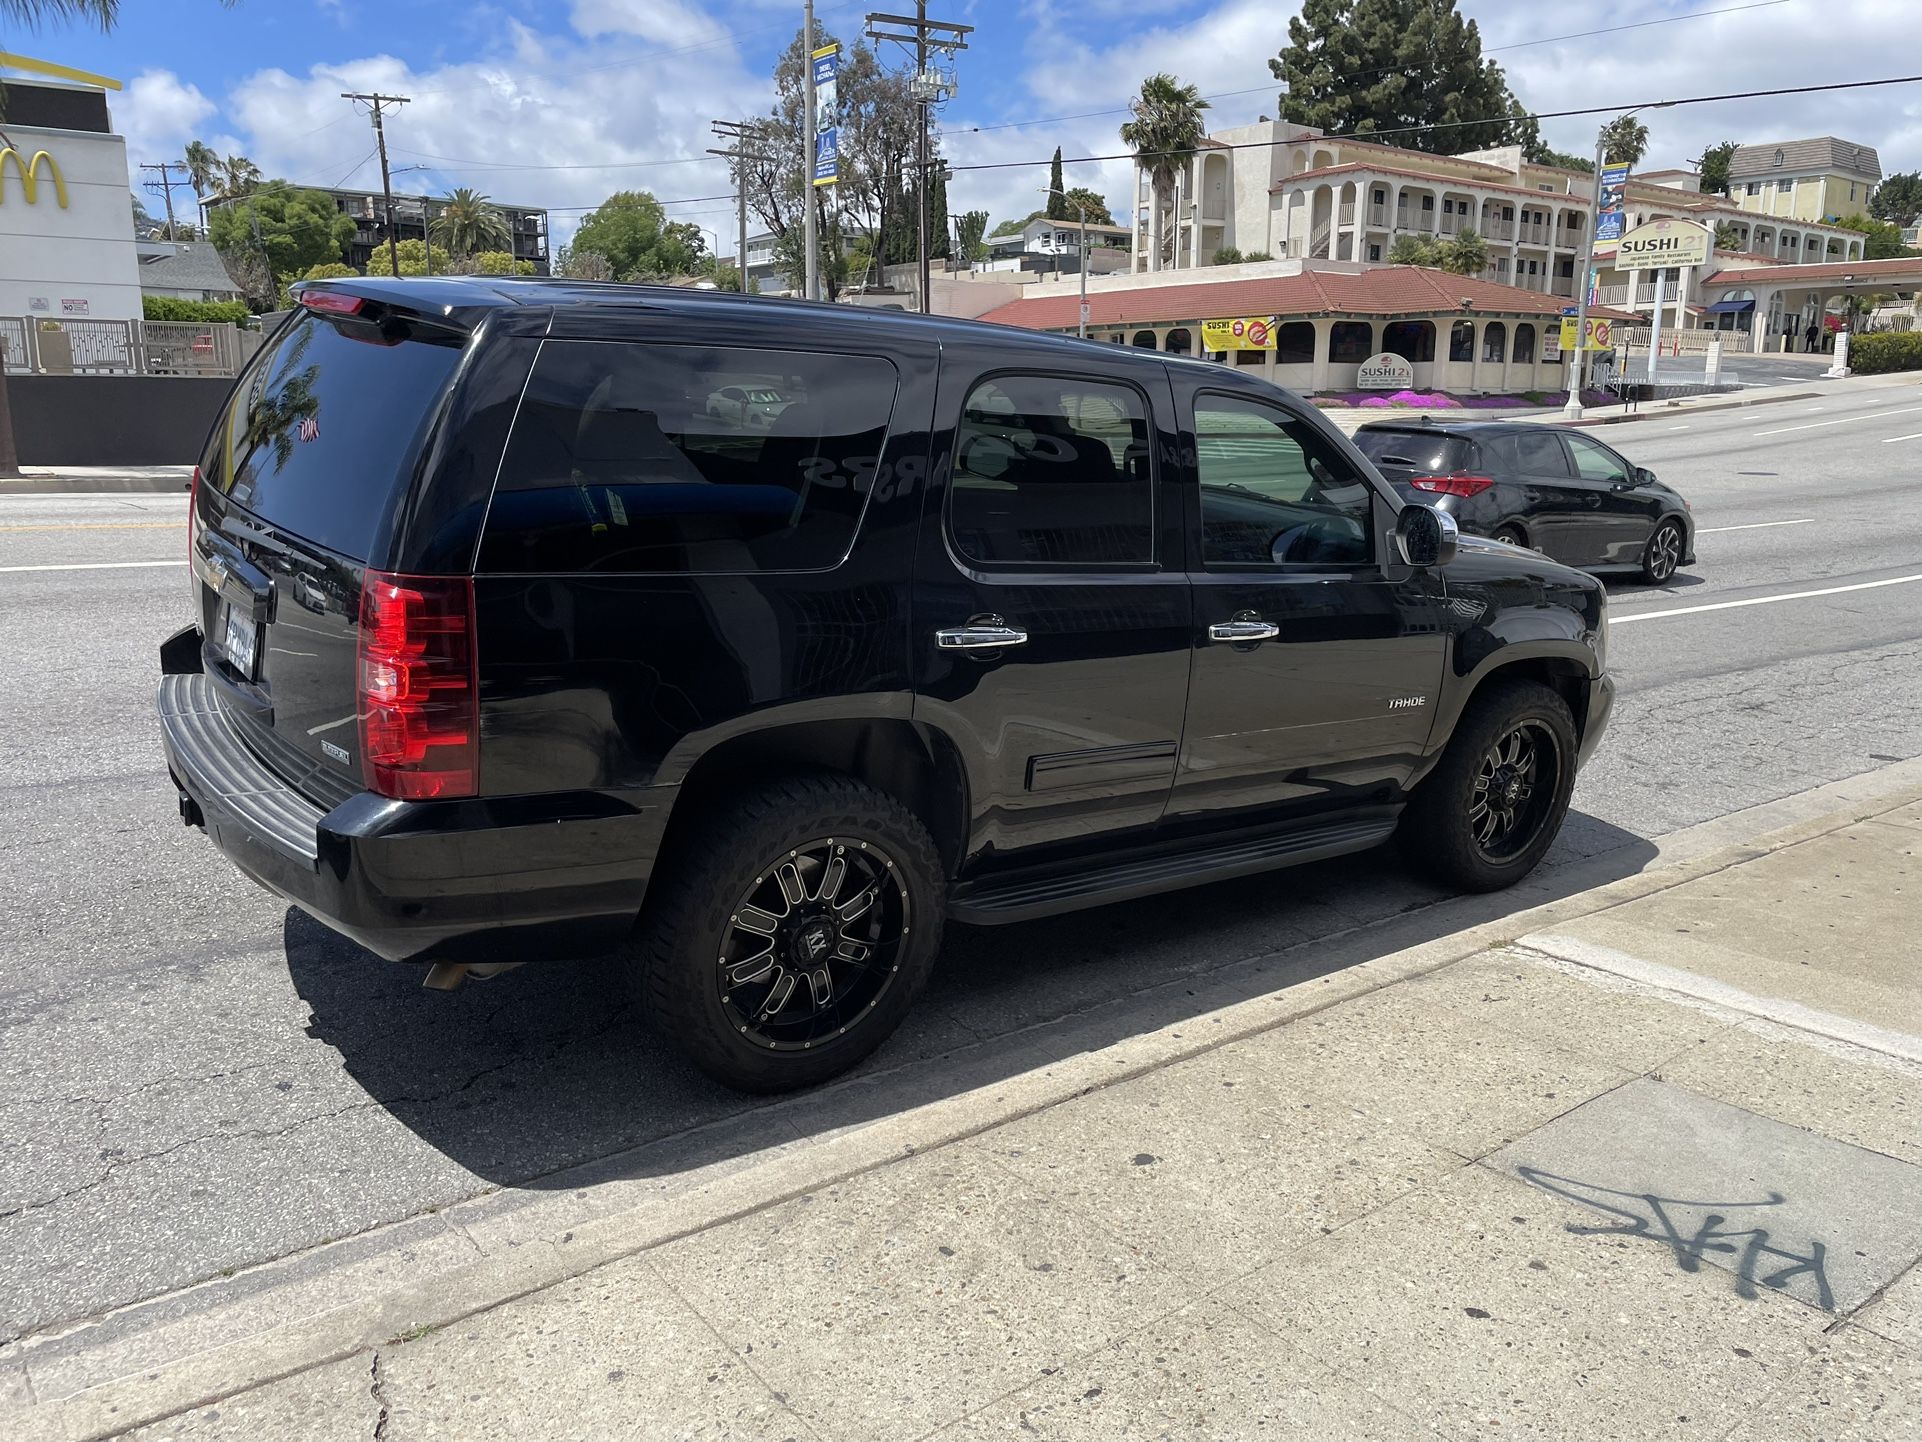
x=1663, y=553
x=814, y=944
x=1514, y=790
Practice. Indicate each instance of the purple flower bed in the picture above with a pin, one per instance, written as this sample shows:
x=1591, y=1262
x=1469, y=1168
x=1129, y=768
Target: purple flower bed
x=1442, y=401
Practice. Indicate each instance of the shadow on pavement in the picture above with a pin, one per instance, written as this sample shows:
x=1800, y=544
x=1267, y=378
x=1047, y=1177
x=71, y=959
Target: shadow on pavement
x=550, y=1066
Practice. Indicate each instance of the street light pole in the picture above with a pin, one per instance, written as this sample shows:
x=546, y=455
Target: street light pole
x=1081, y=209
x=809, y=238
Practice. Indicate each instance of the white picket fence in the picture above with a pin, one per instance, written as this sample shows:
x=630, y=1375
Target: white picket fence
x=35, y=345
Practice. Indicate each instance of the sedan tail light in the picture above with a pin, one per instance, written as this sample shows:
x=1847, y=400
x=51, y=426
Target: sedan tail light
x=419, y=694
x=1456, y=484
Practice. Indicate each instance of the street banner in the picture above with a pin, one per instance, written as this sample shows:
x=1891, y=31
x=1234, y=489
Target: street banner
x=1608, y=216
x=1247, y=332
x=1599, y=334
x=825, y=67
x=1662, y=243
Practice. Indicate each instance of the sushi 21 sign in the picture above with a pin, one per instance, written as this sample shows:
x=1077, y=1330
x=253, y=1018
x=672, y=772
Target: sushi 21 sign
x=1662, y=243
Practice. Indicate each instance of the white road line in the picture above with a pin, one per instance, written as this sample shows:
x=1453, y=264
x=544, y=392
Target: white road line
x=1841, y=420
x=1753, y=526
x=1720, y=993
x=95, y=566
x=1759, y=601
x=1680, y=426
x=1913, y=436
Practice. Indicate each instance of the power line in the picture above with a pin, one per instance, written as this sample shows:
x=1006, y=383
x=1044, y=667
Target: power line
x=1482, y=120
x=164, y=186
x=1350, y=75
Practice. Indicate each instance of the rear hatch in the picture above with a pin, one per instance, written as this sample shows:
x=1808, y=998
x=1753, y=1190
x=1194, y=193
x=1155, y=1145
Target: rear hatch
x=295, y=502
x=1401, y=453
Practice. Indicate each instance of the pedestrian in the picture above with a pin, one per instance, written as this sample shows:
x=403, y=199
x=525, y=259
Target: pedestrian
x=1809, y=337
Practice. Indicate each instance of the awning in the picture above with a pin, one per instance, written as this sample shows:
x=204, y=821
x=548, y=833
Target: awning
x=1730, y=307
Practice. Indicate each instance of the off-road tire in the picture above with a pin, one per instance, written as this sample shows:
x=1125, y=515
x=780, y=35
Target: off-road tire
x=674, y=962
x=1437, y=833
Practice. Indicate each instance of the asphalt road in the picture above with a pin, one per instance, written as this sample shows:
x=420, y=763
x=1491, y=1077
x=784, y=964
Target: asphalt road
x=196, y=1079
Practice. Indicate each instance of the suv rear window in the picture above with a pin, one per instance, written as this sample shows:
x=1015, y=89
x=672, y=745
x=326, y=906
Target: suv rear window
x=660, y=458
x=1418, y=451
x=320, y=436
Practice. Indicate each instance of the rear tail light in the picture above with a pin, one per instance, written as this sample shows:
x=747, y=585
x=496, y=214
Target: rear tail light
x=419, y=695
x=332, y=302
x=1453, y=485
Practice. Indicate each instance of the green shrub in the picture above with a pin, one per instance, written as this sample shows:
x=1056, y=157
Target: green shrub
x=168, y=307
x=1885, y=350
x=1254, y=255
x=1228, y=255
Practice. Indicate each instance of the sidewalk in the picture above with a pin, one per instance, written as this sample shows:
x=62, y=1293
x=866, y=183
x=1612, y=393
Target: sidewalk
x=1643, y=1162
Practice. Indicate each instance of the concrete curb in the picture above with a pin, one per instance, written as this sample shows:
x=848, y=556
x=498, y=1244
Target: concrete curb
x=76, y=485
x=156, y=1358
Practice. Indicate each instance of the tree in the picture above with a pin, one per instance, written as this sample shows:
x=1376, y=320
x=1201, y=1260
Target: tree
x=1057, y=209
x=1728, y=236
x=492, y=262
x=1165, y=130
x=468, y=224
x=1884, y=237
x=238, y=176
x=1712, y=165
x=938, y=247
x=329, y=270
x=1412, y=250
x=1562, y=160
x=1080, y=200
x=639, y=242
x=1464, y=253
x=203, y=172
x=582, y=264
x=969, y=228
x=1413, y=68
x=1228, y=255
x=284, y=229
x=1624, y=141
x=1898, y=198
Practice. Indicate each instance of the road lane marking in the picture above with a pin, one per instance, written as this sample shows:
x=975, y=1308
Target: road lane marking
x=106, y=526
x=1841, y=420
x=95, y=566
x=1913, y=436
x=1753, y=526
x=1679, y=426
x=1760, y=600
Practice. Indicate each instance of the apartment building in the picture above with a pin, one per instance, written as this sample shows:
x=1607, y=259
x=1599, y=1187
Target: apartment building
x=1819, y=179
x=413, y=214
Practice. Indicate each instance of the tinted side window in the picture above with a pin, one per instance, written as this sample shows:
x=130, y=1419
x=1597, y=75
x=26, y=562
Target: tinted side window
x=321, y=434
x=1594, y=462
x=647, y=458
x=1498, y=456
x=1431, y=454
x=1274, y=491
x=1050, y=471
x=1541, y=454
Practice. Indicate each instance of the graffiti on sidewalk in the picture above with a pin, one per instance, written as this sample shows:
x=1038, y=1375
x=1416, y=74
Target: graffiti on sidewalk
x=1748, y=1251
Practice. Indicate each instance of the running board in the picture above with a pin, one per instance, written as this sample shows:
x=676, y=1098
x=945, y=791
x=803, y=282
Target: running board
x=1026, y=898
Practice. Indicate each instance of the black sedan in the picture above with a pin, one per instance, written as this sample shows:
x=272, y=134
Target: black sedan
x=1552, y=488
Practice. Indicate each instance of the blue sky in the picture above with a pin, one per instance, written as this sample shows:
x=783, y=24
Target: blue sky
x=558, y=102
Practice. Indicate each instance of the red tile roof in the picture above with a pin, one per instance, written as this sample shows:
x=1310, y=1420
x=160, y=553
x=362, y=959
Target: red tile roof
x=1900, y=269
x=1396, y=290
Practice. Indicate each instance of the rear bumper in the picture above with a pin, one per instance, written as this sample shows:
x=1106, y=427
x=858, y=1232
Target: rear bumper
x=500, y=879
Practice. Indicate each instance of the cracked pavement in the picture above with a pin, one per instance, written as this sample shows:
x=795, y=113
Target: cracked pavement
x=196, y=1080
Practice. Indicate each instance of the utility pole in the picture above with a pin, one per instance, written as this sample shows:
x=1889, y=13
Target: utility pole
x=929, y=88
x=374, y=104
x=809, y=237
x=165, y=187
x=1081, y=209
x=741, y=132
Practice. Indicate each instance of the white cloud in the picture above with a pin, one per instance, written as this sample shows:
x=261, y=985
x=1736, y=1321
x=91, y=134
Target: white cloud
x=663, y=21
x=159, y=113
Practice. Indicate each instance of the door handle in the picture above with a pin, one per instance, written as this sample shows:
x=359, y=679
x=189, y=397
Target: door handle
x=988, y=635
x=1244, y=628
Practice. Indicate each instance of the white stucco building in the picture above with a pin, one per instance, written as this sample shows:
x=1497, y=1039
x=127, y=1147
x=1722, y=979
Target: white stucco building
x=67, y=247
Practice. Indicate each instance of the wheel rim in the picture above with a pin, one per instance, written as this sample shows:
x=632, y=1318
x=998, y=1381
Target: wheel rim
x=813, y=944
x=1664, y=551
x=1515, y=790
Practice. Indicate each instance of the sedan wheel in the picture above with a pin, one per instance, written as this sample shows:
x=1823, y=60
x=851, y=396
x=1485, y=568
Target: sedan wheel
x=1663, y=554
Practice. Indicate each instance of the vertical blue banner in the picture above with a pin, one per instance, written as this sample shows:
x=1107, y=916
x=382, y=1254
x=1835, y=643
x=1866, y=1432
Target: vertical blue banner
x=1608, y=216
x=825, y=73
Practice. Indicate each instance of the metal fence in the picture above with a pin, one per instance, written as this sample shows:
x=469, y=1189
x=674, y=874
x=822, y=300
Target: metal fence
x=36, y=345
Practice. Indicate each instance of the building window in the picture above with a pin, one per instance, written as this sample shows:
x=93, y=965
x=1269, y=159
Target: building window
x=1778, y=160
x=1851, y=190
x=1145, y=339
x=1448, y=206
x=1295, y=344
x=1461, y=341
x=1494, y=342
x=1250, y=357
x=1374, y=252
x=1412, y=340
x=1381, y=196
x=1351, y=342
x=1524, y=343
x=1785, y=187
x=1428, y=202
x=1755, y=187
x=1179, y=342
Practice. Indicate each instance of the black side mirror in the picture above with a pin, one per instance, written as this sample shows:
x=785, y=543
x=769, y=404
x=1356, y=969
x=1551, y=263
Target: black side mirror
x=1641, y=476
x=1427, y=538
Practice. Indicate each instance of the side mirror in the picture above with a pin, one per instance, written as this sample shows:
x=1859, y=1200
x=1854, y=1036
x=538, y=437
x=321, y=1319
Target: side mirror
x=1641, y=476
x=1427, y=538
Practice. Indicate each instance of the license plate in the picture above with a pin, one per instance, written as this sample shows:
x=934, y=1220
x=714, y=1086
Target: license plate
x=239, y=641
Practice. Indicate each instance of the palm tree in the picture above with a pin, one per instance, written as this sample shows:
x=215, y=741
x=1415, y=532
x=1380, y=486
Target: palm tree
x=467, y=224
x=203, y=172
x=238, y=176
x=1165, y=131
x=1624, y=140
x=1727, y=237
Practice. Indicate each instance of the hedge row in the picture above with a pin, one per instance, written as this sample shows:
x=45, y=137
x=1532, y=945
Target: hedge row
x=1885, y=350
x=169, y=307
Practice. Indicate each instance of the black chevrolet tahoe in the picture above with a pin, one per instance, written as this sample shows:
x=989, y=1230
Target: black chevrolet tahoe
x=511, y=641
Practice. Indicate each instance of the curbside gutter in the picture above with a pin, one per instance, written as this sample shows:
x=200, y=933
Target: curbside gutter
x=153, y=1359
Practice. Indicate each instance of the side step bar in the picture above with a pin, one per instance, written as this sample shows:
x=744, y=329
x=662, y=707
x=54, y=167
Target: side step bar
x=996, y=903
